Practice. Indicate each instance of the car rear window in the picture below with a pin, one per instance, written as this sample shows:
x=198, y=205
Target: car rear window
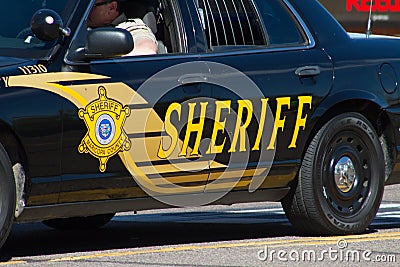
x=241, y=24
x=282, y=27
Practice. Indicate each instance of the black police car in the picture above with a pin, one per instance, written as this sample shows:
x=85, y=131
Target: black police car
x=247, y=100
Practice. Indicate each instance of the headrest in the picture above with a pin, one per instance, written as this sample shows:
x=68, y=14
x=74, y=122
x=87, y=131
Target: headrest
x=150, y=20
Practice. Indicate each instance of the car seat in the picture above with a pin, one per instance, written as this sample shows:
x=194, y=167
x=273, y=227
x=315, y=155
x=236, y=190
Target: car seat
x=150, y=20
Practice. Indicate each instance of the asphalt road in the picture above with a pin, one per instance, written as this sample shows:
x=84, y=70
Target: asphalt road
x=240, y=235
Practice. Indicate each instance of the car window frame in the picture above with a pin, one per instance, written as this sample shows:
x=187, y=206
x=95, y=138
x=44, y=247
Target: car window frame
x=295, y=19
x=301, y=25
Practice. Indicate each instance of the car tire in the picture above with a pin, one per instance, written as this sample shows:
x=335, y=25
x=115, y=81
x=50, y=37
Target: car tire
x=80, y=223
x=341, y=179
x=7, y=195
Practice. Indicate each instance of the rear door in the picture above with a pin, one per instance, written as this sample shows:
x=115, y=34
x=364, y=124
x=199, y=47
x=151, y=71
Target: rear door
x=269, y=75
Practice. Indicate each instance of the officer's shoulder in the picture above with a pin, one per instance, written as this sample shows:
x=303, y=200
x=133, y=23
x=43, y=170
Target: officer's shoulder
x=135, y=20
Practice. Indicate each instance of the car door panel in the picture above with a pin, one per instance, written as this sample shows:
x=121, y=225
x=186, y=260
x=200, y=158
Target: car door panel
x=148, y=95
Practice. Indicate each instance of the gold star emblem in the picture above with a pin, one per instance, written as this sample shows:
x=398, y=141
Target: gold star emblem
x=104, y=119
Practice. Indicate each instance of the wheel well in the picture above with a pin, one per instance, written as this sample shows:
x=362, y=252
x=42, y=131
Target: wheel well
x=375, y=115
x=14, y=149
x=12, y=145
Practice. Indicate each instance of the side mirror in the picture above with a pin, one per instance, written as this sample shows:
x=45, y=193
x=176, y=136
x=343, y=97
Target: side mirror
x=108, y=42
x=47, y=25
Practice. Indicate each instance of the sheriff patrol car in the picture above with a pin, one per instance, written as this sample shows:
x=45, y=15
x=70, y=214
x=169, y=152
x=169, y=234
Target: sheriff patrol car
x=247, y=100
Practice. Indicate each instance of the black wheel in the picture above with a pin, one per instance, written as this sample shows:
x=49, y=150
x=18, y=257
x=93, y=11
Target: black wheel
x=7, y=195
x=341, y=179
x=80, y=223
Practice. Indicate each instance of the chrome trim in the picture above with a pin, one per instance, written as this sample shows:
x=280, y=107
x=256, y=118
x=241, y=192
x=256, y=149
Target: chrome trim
x=311, y=41
x=258, y=50
x=345, y=174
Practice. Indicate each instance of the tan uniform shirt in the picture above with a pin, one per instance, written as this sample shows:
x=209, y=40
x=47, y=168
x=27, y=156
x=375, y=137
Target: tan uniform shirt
x=136, y=27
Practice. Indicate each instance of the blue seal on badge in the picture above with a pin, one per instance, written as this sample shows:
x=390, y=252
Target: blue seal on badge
x=105, y=129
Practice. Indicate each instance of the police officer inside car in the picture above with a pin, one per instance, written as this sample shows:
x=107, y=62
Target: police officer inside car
x=107, y=13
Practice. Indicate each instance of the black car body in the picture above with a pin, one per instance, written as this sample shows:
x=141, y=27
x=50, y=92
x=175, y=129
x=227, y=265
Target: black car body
x=251, y=100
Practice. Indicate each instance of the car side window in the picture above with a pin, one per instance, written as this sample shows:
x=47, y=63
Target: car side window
x=163, y=17
x=282, y=28
x=230, y=24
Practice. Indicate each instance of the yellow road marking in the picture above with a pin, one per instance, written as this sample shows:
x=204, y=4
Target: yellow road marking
x=12, y=262
x=276, y=243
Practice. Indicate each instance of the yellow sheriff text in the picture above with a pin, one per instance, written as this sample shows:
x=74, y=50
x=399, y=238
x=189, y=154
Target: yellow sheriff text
x=104, y=106
x=239, y=126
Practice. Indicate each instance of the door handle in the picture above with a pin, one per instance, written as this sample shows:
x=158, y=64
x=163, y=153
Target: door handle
x=191, y=82
x=192, y=78
x=307, y=71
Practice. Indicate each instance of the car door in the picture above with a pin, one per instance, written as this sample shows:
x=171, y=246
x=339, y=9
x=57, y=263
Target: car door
x=115, y=138
x=269, y=75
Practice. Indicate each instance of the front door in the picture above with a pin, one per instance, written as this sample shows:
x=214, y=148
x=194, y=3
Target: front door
x=138, y=125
